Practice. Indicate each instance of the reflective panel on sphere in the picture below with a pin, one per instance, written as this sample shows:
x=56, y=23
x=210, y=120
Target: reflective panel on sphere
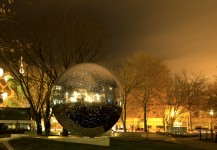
x=87, y=100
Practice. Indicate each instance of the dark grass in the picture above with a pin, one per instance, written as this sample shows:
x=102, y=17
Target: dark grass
x=115, y=144
x=5, y=135
x=2, y=147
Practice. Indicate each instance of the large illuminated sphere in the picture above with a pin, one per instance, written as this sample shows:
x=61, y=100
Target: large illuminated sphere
x=87, y=100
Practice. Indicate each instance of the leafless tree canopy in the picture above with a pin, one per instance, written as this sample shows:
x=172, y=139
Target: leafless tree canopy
x=59, y=40
x=183, y=95
x=48, y=45
x=144, y=77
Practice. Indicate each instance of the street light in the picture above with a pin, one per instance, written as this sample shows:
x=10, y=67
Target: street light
x=211, y=115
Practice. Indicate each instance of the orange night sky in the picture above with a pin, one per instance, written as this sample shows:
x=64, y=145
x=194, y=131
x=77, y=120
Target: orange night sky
x=181, y=32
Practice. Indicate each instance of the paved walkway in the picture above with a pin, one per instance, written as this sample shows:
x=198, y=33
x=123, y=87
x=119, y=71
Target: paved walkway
x=194, y=142
x=188, y=141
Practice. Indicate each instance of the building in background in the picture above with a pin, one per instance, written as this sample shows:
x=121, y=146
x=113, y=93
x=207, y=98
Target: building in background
x=15, y=119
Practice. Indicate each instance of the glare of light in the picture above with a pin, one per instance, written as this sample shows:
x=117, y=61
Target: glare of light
x=54, y=137
x=4, y=95
x=211, y=112
x=89, y=98
x=110, y=88
x=57, y=87
x=172, y=113
x=73, y=99
x=1, y=72
x=67, y=96
x=97, y=97
x=6, y=78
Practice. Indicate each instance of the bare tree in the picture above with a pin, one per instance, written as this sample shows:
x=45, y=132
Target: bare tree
x=129, y=79
x=51, y=45
x=196, y=91
x=152, y=74
x=211, y=101
x=176, y=98
x=183, y=96
x=70, y=42
x=32, y=82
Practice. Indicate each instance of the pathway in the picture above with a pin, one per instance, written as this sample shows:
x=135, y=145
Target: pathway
x=188, y=141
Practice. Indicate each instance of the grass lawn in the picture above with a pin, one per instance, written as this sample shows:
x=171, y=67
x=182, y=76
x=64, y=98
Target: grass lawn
x=115, y=144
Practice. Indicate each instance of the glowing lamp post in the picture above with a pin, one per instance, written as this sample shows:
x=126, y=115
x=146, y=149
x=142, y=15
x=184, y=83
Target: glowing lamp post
x=211, y=115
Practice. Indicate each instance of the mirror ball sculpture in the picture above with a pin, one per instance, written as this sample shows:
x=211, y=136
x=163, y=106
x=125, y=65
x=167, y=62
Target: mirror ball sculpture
x=87, y=100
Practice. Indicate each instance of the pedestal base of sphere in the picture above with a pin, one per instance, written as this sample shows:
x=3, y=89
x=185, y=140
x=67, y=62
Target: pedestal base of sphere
x=101, y=140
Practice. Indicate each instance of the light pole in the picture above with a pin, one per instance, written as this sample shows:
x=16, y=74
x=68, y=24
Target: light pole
x=211, y=115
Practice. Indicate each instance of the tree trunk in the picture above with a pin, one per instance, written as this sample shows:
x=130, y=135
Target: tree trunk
x=47, y=126
x=124, y=126
x=47, y=123
x=125, y=118
x=190, y=122
x=165, y=124
x=65, y=132
x=38, y=123
x=145, y=119
x=172, y=120
x=124, y=114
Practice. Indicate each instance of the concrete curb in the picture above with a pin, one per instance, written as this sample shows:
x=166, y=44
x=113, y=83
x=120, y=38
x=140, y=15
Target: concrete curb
x=101, y=141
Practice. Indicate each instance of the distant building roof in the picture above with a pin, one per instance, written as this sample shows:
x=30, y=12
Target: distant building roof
x=15, y=114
